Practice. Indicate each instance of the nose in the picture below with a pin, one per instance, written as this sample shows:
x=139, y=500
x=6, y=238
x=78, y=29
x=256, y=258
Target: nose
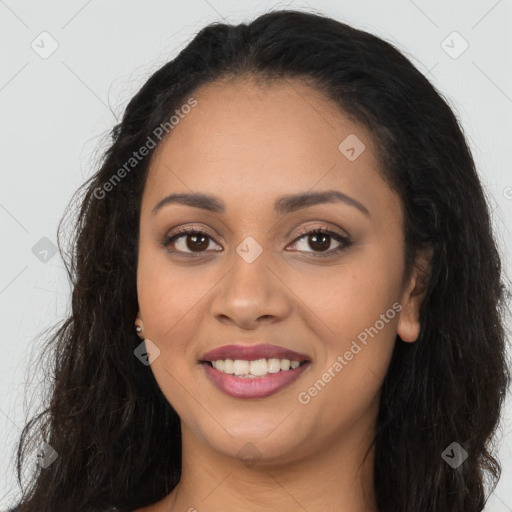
x=251, y=294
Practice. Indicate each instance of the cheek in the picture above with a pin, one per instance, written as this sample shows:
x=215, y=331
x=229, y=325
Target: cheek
x=357, y=322
x=346, y=299
x=338, y=302
x=340, y=306
x=358, y=311
x=170, y=300
x=169, y=295
x=344, y=385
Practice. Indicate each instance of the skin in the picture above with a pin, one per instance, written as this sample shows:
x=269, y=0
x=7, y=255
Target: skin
x=248, y=144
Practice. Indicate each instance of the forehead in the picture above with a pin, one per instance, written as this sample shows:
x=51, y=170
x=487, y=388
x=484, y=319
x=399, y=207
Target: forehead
x=246, y=139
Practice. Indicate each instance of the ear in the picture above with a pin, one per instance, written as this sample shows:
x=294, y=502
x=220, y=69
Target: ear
x=139, y=323
x=415, y=289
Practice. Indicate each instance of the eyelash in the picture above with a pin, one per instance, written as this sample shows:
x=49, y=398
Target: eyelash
x=180, y=232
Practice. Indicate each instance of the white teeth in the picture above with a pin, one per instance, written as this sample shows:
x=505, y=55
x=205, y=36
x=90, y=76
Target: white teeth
x=256, y=368
x=273, y=365
x=228, y=366
x=240, y=367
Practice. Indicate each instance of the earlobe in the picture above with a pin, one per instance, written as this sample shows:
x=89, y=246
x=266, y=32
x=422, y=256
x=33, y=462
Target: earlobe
x=139, y=325
x=409, y=325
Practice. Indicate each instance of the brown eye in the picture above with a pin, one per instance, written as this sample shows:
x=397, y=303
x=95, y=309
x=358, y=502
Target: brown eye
x=319, y=241
x=192, y=242
x=197, y=241
x=187, y=241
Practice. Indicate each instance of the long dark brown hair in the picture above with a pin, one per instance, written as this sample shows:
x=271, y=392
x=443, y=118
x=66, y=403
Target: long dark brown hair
x=118, y=439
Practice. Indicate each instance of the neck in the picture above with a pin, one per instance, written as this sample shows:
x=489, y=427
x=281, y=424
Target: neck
x=337, y=478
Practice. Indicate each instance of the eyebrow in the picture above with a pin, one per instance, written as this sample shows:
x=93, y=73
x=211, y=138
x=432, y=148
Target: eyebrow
x=282, y=205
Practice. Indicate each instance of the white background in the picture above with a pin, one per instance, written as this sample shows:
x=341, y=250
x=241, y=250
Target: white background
x=56, y=111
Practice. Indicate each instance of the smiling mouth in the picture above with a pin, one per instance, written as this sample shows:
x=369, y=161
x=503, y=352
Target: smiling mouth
x=255, y=379
x=255, y=368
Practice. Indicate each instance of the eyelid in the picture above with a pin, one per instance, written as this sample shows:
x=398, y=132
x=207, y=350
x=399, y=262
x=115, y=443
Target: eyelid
x=343, y=239
x=182, y=231
x=319, y=227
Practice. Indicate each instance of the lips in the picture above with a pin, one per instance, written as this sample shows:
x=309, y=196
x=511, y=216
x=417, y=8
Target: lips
x=251, y=353
x=260, y=386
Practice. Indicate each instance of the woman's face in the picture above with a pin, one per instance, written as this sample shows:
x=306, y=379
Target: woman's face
x=252, y=277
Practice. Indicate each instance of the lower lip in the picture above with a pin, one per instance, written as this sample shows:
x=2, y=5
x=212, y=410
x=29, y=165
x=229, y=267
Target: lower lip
x=258, y=387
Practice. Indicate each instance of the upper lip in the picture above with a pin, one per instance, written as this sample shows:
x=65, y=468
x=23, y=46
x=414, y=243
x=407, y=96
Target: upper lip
x=253, y=352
